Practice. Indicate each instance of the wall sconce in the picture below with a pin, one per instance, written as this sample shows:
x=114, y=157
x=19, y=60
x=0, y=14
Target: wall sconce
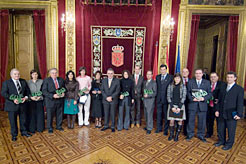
x=67, y=21
x=168, y=29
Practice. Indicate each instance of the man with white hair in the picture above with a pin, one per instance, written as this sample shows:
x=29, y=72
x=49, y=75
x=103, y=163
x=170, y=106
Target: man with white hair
x=16, y=91
x=53, y=101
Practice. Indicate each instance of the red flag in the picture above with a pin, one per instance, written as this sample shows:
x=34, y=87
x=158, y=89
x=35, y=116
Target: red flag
x=155, y=66
x=167, y=59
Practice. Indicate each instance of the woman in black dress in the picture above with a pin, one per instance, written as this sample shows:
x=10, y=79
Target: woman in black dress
x=97, y=99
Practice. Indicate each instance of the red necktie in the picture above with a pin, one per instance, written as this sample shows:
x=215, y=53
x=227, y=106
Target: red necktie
x=211, y=102
x=136, y=80
x=185, y=81
x=56, y=84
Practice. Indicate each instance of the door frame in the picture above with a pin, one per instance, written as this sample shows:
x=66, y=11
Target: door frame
x=51, y=21
x=184, y=24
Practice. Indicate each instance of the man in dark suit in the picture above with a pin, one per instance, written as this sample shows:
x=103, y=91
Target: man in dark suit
x=16, y=86
x=138, y=81
x=197, y=106
x=215, y=89
x=149, y=101
x=53, y=101
x=229, y=110
x=162, y=80
x=185, y=75
x=205, y=74
x=110, y=93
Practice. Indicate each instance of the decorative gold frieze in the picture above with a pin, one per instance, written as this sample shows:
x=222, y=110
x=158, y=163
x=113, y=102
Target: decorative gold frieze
x=70, y=36
x=164, y=36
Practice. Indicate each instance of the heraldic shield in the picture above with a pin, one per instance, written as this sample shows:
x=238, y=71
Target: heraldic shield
x=117, y=56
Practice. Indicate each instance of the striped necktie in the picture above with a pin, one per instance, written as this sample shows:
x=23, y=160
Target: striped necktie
x=19, y=89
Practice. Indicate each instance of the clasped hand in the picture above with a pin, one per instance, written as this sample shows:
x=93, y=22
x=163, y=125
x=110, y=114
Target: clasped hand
x=176, y=110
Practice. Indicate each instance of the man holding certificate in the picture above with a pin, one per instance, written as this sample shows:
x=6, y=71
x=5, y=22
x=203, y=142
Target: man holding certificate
x=199, y=92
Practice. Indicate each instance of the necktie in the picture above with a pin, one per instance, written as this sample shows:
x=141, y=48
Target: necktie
x=198, y=84
x=185, y=81
x=109, y=82
x=18, y=86
x=162, y=77
x=211, y=102
x=56, y=84
x=136, y=80
x=147, y=82
x=228, y=88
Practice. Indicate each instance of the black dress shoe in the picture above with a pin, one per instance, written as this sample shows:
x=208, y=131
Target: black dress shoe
x=188, y=138
x=14, y=138
x=165, y=133
x=158, y=131
x=60, y=129
x=113, y=130
x=26, y=135
x=218, y=144
x=145, y=128
x=50, y=131
x=202, y=139
x=226, y=147
x=208, y=136
x=148, y=132
x=103, y=129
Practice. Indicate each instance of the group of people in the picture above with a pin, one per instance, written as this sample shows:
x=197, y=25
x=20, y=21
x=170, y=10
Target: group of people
x=177, y=98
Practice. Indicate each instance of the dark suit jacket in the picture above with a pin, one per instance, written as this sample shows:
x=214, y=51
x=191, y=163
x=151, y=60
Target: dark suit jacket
x=206, y=76
x=138, y=88
x=8, y=89
x=215, y=93
x=230, y=101
x=205, y=85
x=162, y=88
x=113, y=91
x=49, y=90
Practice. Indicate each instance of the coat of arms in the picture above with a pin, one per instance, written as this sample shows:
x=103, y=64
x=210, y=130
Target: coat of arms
x=117, y=56
x=139, y=41
x=96, y=40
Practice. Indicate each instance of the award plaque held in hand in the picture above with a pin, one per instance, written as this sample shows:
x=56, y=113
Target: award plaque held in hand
x=198, y=93
x=60, y=91
x=16, y=97
x=36, y=94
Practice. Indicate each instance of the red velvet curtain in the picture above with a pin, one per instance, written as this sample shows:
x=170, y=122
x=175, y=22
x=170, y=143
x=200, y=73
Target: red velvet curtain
x=87, y=15
x=193, y=38
x=232, y=43
x=62, y=39
x=4, y=27
x=172, y=52
x=39, y=23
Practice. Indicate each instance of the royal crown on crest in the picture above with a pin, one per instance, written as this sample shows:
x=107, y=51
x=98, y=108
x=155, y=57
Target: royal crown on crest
x=117, y=48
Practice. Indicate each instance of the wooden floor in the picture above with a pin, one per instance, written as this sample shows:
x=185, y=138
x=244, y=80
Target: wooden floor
x=88, y=145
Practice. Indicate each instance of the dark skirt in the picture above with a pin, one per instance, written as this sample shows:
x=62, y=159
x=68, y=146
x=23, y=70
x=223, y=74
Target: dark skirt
x=35, y=116
x=96, y=107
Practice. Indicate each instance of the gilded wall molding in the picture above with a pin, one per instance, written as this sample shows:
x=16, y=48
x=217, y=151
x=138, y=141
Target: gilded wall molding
x=70, y=36
x=184, y=25
x=164, y=37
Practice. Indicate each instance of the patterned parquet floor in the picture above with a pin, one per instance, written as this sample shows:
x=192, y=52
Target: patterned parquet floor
x=88, y=145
